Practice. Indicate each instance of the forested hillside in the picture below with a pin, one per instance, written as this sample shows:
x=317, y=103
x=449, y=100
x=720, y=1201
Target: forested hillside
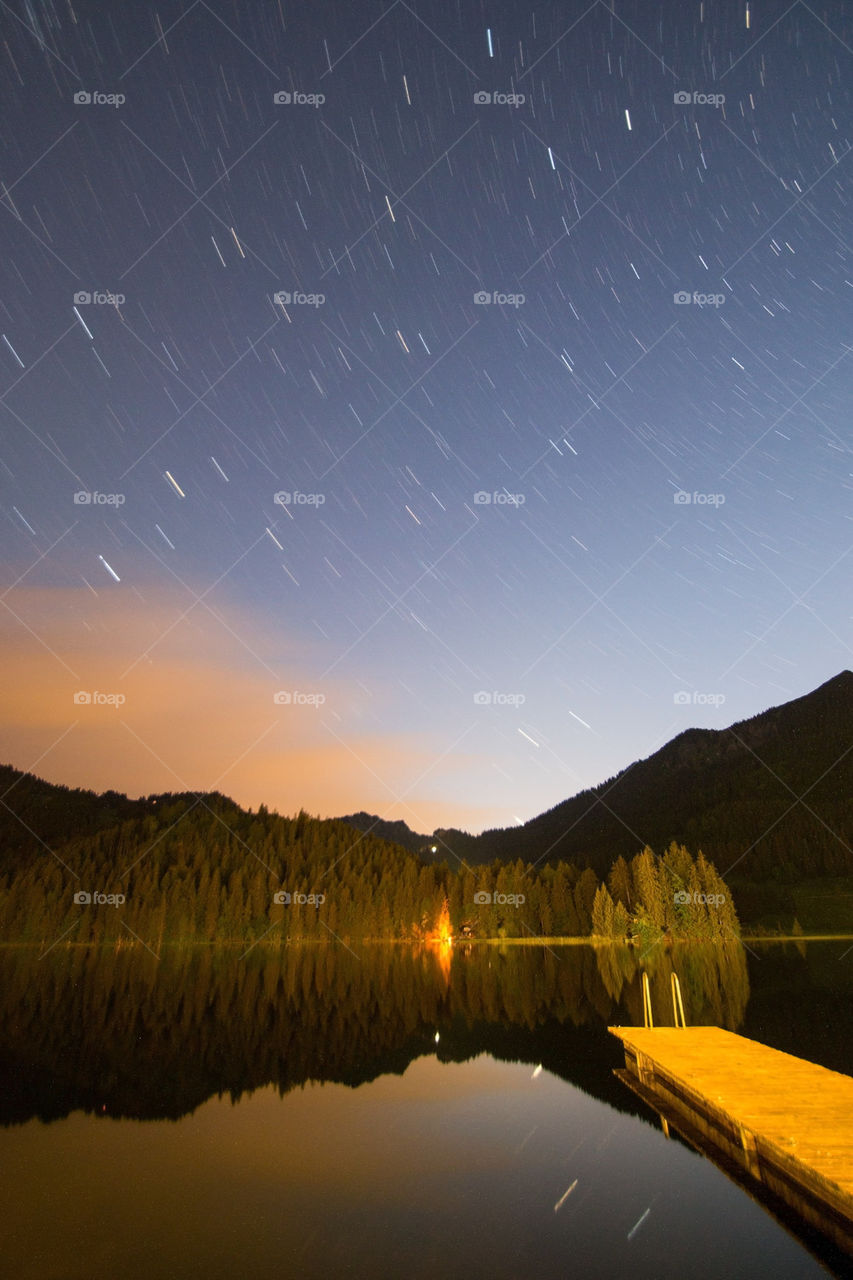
x=199, y=868
x=769, y=797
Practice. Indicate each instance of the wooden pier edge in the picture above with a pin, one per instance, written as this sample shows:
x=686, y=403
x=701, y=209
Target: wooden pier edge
x=779, y=1121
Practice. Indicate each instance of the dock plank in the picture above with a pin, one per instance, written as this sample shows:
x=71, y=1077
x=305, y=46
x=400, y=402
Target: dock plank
x=791, y=1117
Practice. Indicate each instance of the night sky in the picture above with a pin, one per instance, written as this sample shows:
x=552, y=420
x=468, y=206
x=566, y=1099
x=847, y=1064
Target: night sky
x=281, y=298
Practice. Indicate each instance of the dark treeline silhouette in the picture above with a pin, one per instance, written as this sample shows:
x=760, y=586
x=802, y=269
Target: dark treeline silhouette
x=398, y=832
x=35, y=813
x=196, y=869
x=768, y=797
x=125, y=1035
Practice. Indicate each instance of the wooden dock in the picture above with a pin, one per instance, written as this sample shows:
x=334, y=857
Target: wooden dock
x=785, y=1123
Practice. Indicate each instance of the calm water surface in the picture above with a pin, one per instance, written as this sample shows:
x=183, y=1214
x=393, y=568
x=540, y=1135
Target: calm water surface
x=392, y=1113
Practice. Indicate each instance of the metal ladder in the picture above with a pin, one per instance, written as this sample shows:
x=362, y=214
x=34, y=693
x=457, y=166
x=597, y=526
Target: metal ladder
x=677, y=1002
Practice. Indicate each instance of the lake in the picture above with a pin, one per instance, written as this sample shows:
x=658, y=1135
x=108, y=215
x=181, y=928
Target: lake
x=382, y=1112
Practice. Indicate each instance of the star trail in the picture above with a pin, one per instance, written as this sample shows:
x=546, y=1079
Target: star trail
x=420, y=408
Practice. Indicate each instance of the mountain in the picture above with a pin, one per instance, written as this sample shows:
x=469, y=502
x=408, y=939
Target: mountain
x=176, y=869
x=766, y=800
x=36, y=815
x=768, y=797
x=397, y=832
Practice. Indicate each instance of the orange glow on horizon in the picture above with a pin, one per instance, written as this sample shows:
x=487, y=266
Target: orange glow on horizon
x=171, y=668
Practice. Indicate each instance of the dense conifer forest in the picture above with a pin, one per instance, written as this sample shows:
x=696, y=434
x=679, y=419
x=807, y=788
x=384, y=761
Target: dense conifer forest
x=768, y=797
x=199, y=868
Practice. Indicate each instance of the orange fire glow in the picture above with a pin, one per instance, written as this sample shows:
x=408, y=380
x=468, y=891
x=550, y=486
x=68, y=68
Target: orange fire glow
x=442, y=934
x=441, y=940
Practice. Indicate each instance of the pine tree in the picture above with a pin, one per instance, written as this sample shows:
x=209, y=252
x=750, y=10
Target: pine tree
x=647, y=889
x=602, y=913
x=584, y=896
x=620, y=921
x=619, y=882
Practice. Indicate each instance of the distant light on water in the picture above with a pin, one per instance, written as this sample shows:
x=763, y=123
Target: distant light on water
x=565, y=1196
x=639, y=1223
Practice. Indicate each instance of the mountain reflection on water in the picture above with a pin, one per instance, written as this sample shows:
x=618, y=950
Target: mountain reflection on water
x=123, y=1034
x=458, y=1156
